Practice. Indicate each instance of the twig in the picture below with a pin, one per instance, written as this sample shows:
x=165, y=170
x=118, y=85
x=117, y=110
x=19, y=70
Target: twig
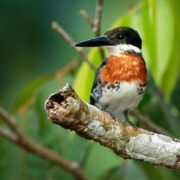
x=27, y=144
x=6, y=134
x=149, y=125
x=135, y=7
x=68, y=110
x=96, y=24
x=63, y=33
x=60, y=74
x=87, y=17
x=11, y=122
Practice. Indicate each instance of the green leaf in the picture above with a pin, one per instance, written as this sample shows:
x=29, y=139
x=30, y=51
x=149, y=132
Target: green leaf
x=171, y=75
x=149, y=35
x=125, y=21
x=85, y=76
x=159, y=39
x=165, y=32
x=29, y=91
x=176, y=8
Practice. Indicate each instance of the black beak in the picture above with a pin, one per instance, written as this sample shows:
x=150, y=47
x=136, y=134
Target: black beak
x=99, y=41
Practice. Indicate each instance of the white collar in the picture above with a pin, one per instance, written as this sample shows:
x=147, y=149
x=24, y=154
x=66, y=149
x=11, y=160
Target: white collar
x=120, y=48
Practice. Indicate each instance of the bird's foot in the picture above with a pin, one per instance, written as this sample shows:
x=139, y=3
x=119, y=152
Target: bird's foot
x=132, y=125
x=105, y=110
x=111, y=114
x=127, y=119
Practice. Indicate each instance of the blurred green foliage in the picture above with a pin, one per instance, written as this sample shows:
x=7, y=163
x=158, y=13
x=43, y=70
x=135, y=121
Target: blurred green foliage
x=36, y=52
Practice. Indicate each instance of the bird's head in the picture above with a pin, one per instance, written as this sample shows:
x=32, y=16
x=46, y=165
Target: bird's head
x=121, y=39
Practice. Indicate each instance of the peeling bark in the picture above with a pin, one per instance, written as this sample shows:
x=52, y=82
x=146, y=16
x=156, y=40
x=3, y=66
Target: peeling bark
x=65, y=108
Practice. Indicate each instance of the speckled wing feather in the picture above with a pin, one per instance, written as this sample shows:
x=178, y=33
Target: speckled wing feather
x=96, y=89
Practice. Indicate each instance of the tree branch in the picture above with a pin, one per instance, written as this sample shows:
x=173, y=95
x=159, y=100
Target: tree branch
x=97, y=21
x=63, y=33
x=27, y=144
x=87, y=17
x=68, y=110
x=69, y=67
x=96, y=24
x=6, y=134
x=147, y=124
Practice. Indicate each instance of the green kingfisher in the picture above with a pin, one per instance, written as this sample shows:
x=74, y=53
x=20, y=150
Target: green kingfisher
x=120, y=81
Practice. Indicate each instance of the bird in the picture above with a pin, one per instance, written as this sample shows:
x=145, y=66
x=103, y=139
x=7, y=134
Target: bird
x=120, y=81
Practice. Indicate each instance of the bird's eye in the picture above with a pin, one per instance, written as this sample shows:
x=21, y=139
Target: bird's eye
x=120, y=36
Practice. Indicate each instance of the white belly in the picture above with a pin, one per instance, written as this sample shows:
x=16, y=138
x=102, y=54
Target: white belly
x=123, y=96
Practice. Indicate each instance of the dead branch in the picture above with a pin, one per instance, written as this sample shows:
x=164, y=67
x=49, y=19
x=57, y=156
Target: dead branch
x=96, y=24
x=63, y=33
x=87, y=17
x=68, y=110
x=27, y=144
x=69, y=67
x=147, y=124
x=97, y=21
